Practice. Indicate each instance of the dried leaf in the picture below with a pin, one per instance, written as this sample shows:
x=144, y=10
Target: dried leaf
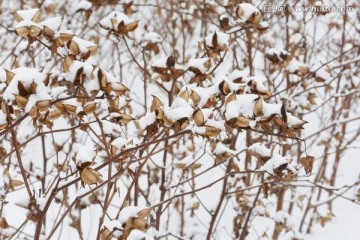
x=89, y=176
x=307, y=162
x=3, y=223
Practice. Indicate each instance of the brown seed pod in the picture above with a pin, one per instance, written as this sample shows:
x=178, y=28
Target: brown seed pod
x=199, y=118
x=44, y=105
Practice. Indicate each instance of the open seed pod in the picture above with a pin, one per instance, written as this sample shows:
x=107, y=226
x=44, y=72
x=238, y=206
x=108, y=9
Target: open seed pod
x=155, y=104
x=43, y=106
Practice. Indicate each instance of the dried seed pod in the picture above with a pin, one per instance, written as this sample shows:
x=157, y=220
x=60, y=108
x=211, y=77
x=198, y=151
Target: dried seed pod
x=156, y=103
x=89, y=176
x=199, y=117
x=3, y=126
x=242, y=122
x=230, y=98
x=89, y=108
x=144, y=213
x=70, y=108
x=224, y=87
x=258, y=108
x=74, y=48
x=124, y=118
x=67, y=64
x=22, y=31
x=139, y=224
x=159, y=113
x=9, y=76
x=35, y=31
x=44, y=105
x=66, y=37
x=21, y=101
x=211, y=131
x=118, y=89
x=195, y=97
x=184, y=95
x=132, y=26
x=54, y=115
x=105, y=234
x=170, y=62
x=33, y=87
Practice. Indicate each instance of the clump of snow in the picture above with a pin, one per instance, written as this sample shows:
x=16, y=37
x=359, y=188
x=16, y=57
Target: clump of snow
x=260, y=149
x=198, y=63
x=27, y=76
x=83, y=5
x=152, y=37
x=113, y=19
x=129, y=212
x=294, y=66
x=83, y=44
x=284, y=218
x=147, y=120
x=239, y=75
x=136, y=235
x=27, y=14
x=248, y=11
x=273, y=163
x=223, y=39
x=269, y=109
x=52, y=23
x=242, y=106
